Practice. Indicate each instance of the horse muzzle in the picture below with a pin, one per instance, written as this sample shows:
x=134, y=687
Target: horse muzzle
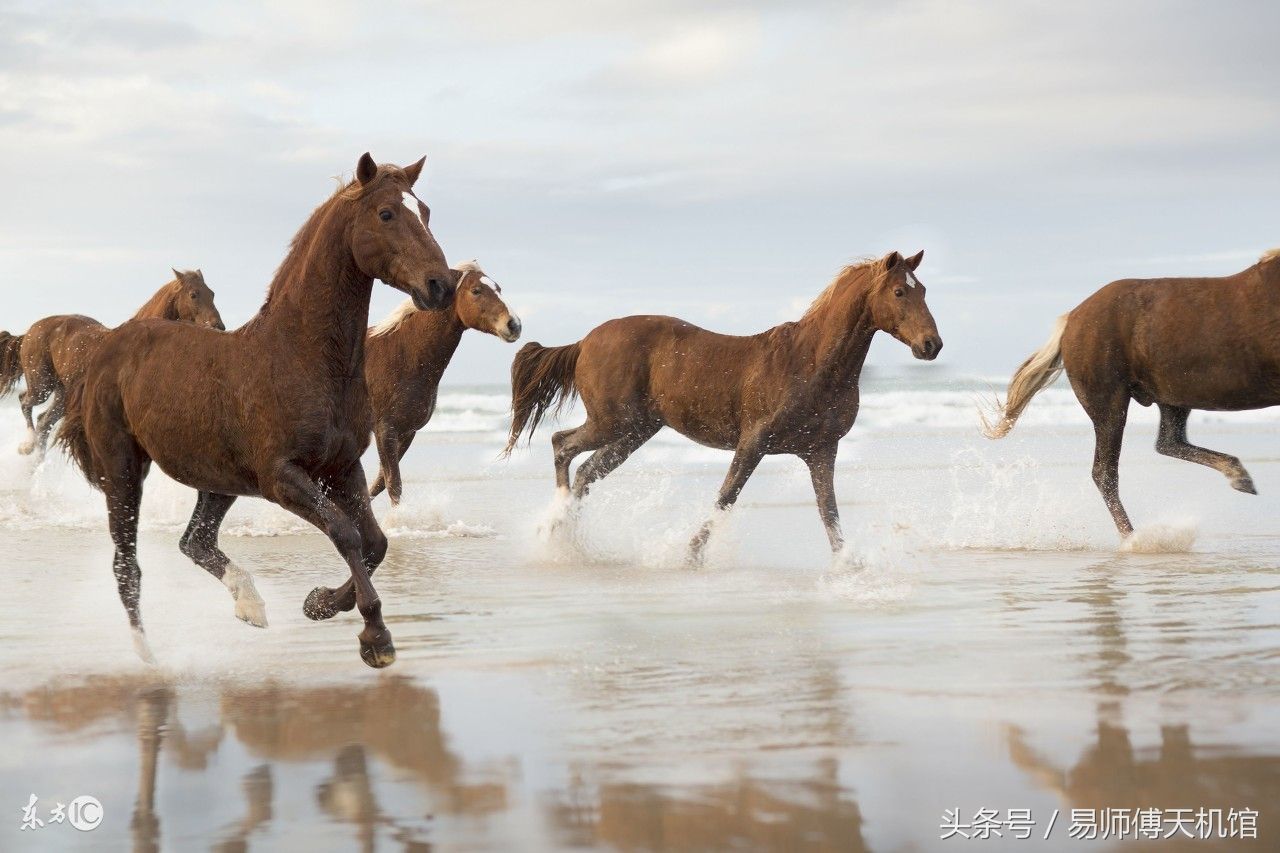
x=927, y=349
x=510, y=331
x=431, y=297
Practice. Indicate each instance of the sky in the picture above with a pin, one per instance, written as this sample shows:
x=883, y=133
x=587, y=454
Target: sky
x=717, y=160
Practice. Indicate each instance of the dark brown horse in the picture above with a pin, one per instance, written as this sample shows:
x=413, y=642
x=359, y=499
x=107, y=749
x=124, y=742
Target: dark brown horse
x=407, y=353
x=277, y=408
x=55, y=350
x=792, y=389
x=1181, y=343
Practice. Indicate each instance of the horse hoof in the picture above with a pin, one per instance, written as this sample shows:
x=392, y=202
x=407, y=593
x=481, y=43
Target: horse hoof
x=253, y=612
x=142, y=648
x=378, y=655
x=319, y=605
x=1244, y=484
x=26, y=448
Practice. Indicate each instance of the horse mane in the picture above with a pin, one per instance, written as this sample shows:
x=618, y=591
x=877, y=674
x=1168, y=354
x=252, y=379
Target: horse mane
x=846, y=275
x=299, y=246
x=156, y=305
x=1269, y=255
x=395, y=319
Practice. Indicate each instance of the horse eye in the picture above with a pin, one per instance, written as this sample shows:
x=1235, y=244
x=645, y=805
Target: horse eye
x=385, y=215
x=475, y=291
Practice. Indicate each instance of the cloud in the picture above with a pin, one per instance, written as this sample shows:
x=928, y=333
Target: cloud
x=714, y=158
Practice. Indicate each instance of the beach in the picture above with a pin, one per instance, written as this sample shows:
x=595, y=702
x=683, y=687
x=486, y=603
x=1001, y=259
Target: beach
x=984, y=644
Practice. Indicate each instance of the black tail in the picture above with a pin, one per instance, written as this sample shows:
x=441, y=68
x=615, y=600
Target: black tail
x=10, y=362
x=71, y=434
x=541, y=378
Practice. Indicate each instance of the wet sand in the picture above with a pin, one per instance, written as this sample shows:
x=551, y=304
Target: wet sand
x=987, y=646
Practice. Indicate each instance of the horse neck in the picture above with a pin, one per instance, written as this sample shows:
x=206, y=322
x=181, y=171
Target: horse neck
x=836, y=334
x=319, y=300
x=160, y=306
x=433, y=338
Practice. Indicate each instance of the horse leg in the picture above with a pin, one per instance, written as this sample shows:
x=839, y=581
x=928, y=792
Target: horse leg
x=294, y=490
x=1109, y=416
x=822, y=471
x=36, y=392
x=395, y=487
x=1172, y=441
x=324, y=603
x=386, y=444
x=48, y=418
x=200, y=543
x=567, y=444
x=744, y=464
x=604, y=461
x=123, y=490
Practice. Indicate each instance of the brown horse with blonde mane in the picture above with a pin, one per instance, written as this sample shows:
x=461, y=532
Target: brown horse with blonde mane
x=55, y=350
x=1181, y=343
x=790, y=390
x=277, y=408
x=406, y=355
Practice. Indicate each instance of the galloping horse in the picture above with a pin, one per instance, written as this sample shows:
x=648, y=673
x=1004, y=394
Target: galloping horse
x=792, y=389
x=1181, y=343
x=407, y=353
x=277, y=408
x=55, y=350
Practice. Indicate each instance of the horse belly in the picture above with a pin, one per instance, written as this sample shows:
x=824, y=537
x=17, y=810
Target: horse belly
x=1223, y=383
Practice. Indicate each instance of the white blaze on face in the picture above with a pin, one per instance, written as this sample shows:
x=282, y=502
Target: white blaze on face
x=912, y=281
x=412, y=203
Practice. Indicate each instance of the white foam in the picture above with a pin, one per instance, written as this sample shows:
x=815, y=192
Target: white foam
x=1162, y=538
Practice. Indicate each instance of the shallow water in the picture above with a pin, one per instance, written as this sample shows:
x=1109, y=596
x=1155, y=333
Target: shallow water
x=984, y=644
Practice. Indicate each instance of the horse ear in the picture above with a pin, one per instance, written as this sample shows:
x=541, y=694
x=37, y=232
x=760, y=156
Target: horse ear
x=366, y=169
x=891, y=260
x=412, y=172
x=914, y=261
x=177, y=275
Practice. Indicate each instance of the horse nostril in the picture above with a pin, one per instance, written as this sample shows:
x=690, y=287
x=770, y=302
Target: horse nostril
x=513, y=326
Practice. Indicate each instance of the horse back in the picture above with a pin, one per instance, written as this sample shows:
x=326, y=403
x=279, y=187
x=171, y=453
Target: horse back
x=1199, y=343
x=61, y=343
x=666, y=369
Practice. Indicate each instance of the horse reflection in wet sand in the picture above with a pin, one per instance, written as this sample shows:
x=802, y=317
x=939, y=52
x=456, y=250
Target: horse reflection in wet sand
x=277, y=408
x=407, y=353
x=55, y=350
x=1181, y=343
x=790, y=390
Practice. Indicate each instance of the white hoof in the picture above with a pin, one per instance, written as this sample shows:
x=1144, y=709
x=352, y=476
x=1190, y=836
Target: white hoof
x=249, y=605
x=29, y=444
x=142, y=647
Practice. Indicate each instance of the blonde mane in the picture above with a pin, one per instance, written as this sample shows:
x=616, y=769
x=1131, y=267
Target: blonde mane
x=393, y=321
x=1270, y=255
x=829, y=293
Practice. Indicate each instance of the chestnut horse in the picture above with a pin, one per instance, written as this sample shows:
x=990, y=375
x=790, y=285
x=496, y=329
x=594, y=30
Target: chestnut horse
x=277, y=408
x=792, y=389
x=407, y=353
x=54, y=350
x=1181, y=343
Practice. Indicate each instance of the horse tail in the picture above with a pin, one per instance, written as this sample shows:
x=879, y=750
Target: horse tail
x=1035, y=374
x=72, y=437
x=10, y=362
x=541, y=378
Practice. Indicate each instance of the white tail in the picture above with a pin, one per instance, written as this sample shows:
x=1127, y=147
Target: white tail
x=1035, y=374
